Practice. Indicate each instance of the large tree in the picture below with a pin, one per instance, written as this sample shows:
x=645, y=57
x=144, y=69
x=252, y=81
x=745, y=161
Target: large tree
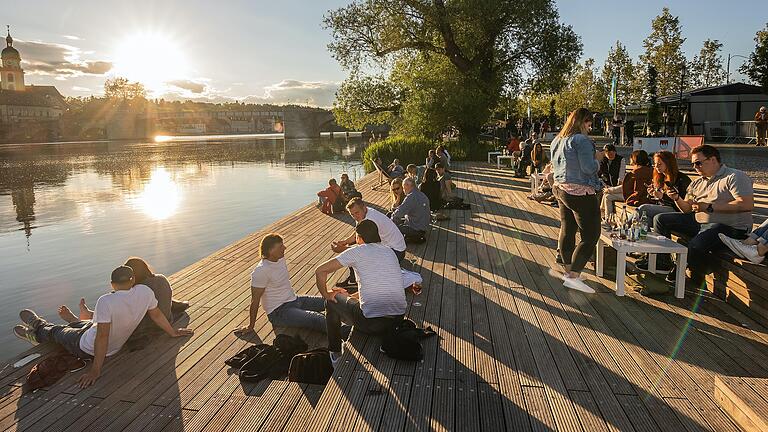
x=706, y=68
x=584, y=89
x=619, y=65
x=663, y=51
x=756, y=68
x=472, y=49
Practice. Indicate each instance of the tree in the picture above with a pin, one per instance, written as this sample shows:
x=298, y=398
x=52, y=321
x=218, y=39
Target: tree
x=121, y=88
x=706, y=69
x=372, y=100
x=583, y=90
x=653, y=94
x=756, y=68
x=619, y=64
x=663, y=51
x=467, y=47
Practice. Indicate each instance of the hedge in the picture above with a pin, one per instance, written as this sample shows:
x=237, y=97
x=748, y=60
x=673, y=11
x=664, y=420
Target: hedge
x=414, y=150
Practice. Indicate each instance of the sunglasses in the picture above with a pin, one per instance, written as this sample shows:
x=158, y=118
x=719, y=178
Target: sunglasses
x=698, y=163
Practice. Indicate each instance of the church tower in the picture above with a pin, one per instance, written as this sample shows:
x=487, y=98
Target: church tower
x=11, y=74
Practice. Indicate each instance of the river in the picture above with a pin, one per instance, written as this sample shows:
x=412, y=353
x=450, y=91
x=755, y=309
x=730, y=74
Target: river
x=71, y=212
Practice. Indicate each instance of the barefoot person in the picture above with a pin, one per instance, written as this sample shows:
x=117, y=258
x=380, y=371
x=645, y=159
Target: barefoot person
x=116, y=316
x=271, y=287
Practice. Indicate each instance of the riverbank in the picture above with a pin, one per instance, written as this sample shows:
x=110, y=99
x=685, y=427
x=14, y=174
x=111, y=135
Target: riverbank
x=514, y=351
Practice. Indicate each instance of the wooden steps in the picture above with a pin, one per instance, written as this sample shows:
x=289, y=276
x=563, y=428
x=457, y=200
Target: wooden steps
x=745, y=400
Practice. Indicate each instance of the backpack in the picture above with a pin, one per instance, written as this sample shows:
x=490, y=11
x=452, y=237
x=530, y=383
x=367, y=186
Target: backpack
x=270, y=361
x=52, y=369
x=311, y=367
x=402, y=341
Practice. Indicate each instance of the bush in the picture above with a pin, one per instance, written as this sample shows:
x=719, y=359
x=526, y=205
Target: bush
x=409, y=150
x=414, y=150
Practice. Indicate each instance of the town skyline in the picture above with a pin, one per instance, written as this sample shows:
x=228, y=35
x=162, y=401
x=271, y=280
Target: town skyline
x=288, y=62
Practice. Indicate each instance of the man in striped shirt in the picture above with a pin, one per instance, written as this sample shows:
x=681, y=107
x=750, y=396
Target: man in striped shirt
x=380, y=301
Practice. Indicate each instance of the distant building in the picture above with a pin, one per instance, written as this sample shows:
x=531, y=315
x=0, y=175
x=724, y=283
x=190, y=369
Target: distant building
x=25, y=111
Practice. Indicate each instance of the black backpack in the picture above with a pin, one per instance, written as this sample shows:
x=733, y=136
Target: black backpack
x=402, y=342
x=311, y=367
x=271, y=361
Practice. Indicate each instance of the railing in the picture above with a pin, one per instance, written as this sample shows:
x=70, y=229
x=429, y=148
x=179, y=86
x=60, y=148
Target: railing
x=731, y=131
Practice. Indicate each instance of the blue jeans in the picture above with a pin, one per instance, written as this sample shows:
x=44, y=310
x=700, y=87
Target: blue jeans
x=67, y=336
x=703, y=239
x=304, y=312
x=760, y=233
x=651, y=210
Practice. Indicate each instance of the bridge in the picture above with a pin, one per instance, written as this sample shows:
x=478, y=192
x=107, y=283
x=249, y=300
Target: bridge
x=293, y=123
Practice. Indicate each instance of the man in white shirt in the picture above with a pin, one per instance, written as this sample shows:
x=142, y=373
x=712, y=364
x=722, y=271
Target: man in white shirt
x=271, y=287
x=389, y=232
x=380, y=301
x=116, y=316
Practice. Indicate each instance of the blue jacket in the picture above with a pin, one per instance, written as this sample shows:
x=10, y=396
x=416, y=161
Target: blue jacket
x=573, y=161
x=415, y=211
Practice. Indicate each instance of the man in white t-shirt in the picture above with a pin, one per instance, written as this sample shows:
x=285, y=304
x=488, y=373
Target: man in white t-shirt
x=116, y=316
x=389, y=232
x=380, y=301
x=271, y=286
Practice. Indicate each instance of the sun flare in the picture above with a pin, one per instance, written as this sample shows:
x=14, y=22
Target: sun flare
x=150, y=58
x=161, y=195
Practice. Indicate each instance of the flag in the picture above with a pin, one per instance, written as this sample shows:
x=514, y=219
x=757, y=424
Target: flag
x=612, y=97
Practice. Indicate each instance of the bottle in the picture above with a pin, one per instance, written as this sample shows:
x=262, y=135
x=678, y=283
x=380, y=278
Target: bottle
x=622, y=223
x=643, y=226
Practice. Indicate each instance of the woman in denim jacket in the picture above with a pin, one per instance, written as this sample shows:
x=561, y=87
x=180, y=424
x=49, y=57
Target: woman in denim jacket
x=575, y=165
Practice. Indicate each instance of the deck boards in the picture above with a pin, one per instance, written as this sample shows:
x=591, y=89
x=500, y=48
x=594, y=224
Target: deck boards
x=514, y=351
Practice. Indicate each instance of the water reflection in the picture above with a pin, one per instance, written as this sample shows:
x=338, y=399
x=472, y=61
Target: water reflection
x=160, y=197
x=69, y=213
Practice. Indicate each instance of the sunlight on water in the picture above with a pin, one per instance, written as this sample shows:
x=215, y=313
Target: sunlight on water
x=161, y=195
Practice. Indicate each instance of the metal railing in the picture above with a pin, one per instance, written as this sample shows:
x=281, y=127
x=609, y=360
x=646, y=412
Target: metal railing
x=731, y=131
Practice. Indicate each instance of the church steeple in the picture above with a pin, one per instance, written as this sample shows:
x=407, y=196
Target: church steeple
x=11, y=74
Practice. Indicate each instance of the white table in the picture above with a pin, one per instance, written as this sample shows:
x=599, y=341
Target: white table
x=491, y=154
x=652, y=246
x=536, y=179
x=499, y=158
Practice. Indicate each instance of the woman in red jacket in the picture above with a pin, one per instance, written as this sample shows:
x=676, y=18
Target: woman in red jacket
x=329, y=196
x=637, y=181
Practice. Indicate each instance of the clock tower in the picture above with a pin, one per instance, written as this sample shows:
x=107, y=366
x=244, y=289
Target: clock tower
x=11, y=74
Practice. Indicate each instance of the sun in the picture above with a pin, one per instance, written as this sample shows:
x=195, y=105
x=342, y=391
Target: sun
x=151, y=58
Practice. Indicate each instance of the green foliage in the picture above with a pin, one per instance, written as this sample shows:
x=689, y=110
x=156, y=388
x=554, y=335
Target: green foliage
x=451, y=59
x=409, y=150
x=629, y=86
x=757, y=66
x=369, y=100
x=584, y=89
x=663, y=51
x=654, y=113
x=706, y=68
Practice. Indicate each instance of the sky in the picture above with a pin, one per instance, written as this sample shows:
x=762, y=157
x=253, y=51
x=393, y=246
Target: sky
x=267, y=51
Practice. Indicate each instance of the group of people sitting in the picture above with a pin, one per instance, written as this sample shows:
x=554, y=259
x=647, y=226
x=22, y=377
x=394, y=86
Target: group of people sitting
x=371, y=299
x=531, y=155
x=710, y=212
x=140, y=302
x=333, y=198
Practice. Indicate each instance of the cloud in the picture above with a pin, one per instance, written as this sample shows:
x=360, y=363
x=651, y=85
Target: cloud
x=81, y=89
x=189, y=85
x=72, y=37
x=59, y=60
x=316, y=93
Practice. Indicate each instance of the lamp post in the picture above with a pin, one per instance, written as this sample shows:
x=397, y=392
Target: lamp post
x=728, y=67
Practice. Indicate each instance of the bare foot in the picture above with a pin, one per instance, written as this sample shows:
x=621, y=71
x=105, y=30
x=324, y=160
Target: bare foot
x=85, y=313
x=66, y=314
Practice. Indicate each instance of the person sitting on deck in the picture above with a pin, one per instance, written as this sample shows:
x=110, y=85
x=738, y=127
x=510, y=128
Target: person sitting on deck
x=431, y=188
x=348, y=190
x=412, y=217
x=612, y=166
x=449, y=198
x=159, y=285
x=271, y=287
x=444, y=157
x=753, y=248
x=396, y=195
x=329, y=197
x=633, y=190
x=388, y=231
x=116, y=316
x=718, y=202
x=412, y=171
x=395, y=169
x=525, y=156
x=380, y=300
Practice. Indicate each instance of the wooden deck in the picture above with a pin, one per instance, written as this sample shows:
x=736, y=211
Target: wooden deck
x=516, y=351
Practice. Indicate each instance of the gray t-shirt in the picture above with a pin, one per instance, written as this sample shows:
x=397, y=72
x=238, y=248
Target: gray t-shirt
x=725, y=186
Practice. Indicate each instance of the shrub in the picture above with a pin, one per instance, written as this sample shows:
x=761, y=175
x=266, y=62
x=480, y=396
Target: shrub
x=414, y=150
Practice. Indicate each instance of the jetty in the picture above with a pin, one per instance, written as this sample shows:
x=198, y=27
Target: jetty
x=514, y=349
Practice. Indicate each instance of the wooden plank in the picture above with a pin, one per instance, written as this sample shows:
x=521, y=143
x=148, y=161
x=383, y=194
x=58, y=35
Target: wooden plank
x=744, y=400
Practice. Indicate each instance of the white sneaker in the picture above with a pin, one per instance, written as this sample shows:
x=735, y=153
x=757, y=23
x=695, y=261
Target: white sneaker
x=555, y=274
x=335, y=357
x=577, y=284
x=732, y=244
x=750, y=253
